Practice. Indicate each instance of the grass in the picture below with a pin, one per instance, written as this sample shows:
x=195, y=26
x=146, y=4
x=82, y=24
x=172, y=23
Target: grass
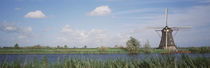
x=60, y=51
x=91, y=51
x=164, y=61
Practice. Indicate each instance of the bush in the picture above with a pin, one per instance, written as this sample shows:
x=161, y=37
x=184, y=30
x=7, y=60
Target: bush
x=147, y=48
x=199, y=49
x=65, y=46
x=133, y=45
x=148, y=51
x=103, y=49
x=204, y=50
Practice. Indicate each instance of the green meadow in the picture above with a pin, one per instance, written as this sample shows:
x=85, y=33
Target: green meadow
x=72, y=51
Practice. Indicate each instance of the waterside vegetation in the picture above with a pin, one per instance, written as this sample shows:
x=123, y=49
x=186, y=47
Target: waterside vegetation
x=164, y=61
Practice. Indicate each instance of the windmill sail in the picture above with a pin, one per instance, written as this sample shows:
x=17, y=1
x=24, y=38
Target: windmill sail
x=166, y=16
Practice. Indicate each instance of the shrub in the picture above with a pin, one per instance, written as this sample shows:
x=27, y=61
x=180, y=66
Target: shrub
x=65, y=46
x=147, y=48
x=199, y=49
x=103, y=49
x=132, y=45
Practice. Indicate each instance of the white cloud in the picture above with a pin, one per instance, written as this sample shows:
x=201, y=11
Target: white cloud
x=66, y=28
x=10, y=28
x=91, y=38
x=35, y=14
x=100, y=11
x=23, y=32
x=47, y=29
x=29, y=29
x=21, y=37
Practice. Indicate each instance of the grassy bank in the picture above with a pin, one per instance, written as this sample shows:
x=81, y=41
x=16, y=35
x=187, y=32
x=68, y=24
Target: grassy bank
x=96, y=50
x=60, y=51
x=164, y=61
x=73, y=51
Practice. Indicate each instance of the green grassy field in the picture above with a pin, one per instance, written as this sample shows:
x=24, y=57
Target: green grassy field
x=72, y=51
x=60, y=51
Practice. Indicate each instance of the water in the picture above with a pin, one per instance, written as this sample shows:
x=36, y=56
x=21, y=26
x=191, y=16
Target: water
x=54, y=57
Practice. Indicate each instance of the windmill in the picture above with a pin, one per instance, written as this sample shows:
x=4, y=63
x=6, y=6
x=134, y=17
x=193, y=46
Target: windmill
x=167, y=41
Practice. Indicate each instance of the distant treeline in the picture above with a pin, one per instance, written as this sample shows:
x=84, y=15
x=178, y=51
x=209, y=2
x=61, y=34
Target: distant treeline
x=16, y=46
x=38, y=46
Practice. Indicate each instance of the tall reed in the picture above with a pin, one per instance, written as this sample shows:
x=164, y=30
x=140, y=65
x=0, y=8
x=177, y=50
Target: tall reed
x=165, y=61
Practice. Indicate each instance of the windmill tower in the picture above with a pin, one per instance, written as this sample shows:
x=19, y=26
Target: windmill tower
x=167, y=41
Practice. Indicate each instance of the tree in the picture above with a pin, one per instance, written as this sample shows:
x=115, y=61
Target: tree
x=38, y=46
x=16, y=46
x=85, y=46
x=58, y=47
x=65, y=46
x=121, y=47
x=133, y=45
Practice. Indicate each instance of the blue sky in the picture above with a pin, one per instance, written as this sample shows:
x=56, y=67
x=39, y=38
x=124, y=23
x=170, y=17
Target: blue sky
x=100, y=22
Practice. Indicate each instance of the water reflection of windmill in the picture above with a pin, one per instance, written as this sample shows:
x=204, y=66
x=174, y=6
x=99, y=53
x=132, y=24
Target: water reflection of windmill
x=167, y=41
